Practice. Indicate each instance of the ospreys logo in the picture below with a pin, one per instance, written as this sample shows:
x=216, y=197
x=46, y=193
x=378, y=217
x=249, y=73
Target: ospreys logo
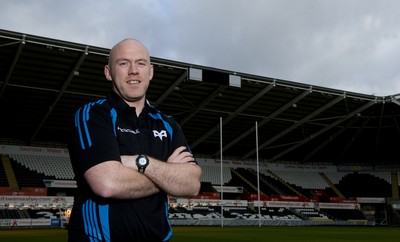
x=160, y=134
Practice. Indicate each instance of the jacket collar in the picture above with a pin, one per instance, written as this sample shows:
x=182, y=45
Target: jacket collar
x=121, y=106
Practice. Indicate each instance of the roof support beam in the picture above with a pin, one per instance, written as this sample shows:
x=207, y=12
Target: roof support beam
x=13, y=64
x=396, y=124
x=327, y=141
x=234, y=114
x=395, y=99
x=61, y=92
x=266, y=120
x=379, y=129
x=202, y=105
x=318, y=133
x=297, y=124
x=171, y=88
x=351, y=141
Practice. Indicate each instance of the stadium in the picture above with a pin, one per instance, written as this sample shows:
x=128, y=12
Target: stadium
x=273, y=152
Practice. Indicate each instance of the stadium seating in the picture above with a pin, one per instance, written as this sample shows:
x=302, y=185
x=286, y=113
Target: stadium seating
x=50, y=166
x=344, y=214
x=27, y=177
x=364, y=185
x=279, y=214
x=306, y=180
x=31, y=170
x=311, y=213
x=9, y=214
x=213, y=175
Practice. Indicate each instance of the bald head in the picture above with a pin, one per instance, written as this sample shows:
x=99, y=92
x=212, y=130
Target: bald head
x=129, y=44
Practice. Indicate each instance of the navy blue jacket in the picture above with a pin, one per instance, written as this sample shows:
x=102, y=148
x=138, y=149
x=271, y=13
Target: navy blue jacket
x=105, y=130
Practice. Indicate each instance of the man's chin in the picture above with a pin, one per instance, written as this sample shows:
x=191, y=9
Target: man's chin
x=134, y=99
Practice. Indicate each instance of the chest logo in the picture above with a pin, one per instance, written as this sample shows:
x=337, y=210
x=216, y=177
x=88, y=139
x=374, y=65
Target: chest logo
x=122, y=130
x=160, y=134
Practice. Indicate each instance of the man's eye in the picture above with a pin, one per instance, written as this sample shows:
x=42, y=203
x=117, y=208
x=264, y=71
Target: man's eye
x=122, y=63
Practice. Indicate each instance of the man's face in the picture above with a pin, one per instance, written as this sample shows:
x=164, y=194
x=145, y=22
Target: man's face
x=130, y=71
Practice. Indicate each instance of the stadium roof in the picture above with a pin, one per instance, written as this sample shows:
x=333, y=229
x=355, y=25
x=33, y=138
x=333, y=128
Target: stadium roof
x=43, y=81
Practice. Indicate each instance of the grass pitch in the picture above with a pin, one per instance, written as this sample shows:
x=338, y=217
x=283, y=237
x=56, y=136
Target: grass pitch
x=231, y=234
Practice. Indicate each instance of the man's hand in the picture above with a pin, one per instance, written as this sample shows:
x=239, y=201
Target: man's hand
x=180, y=156
x=129, y=161
x=179, y=176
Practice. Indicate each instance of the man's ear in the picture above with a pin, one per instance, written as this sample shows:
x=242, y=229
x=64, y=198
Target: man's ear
x=151, y=70
x=107, y=72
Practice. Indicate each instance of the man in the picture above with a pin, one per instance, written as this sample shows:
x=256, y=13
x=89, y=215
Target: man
x=127, y=156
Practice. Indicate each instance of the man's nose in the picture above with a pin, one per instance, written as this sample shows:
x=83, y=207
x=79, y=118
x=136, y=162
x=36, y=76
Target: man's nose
x=133, y=69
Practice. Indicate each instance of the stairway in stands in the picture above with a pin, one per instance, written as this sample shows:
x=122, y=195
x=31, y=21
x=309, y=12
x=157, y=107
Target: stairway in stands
x=331, y=185
x=9, y=172
x=251, y=187
x=284, y=183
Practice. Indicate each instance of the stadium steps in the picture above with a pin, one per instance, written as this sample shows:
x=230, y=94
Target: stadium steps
x=267, y=184
x=284, y=182
x=394, y=183
x=331, y=185
x=12, y=180
x=247, y=181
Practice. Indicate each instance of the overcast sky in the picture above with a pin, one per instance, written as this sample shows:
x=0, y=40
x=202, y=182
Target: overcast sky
x=351, y=45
